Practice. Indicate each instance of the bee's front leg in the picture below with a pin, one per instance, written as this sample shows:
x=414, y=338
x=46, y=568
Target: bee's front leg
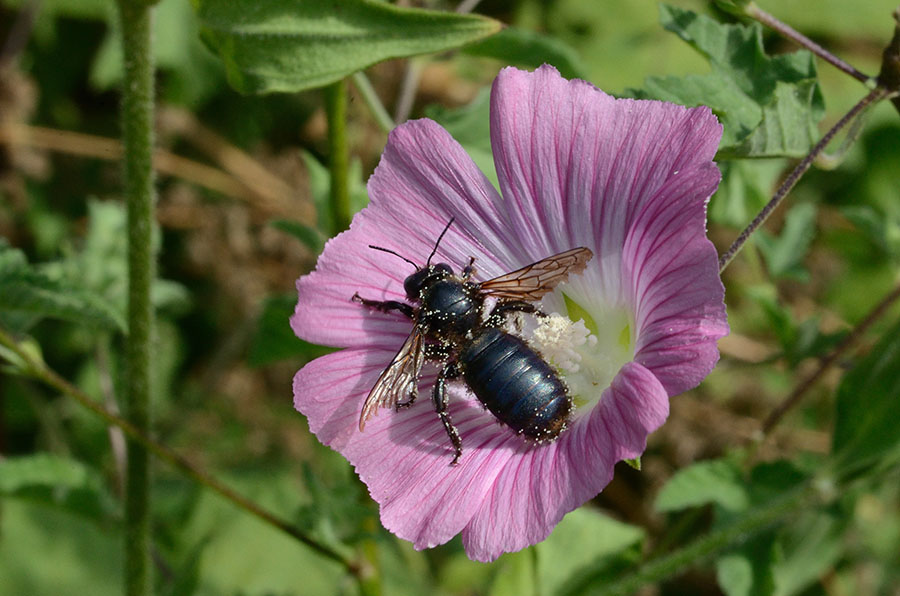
x=386, y=305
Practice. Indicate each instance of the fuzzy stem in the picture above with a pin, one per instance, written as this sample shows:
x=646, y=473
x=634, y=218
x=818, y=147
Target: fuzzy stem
x=336, y=109
x=37, y=369
x=744, y=527
x=382, y=118
x=753, y=11
x=795, y=175
x=135, y=20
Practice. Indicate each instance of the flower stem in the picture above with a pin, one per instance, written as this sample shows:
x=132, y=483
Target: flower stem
x=872, y=97
x=336, y=109
x=362, y=84
x=753, y=11
x=137, y=138
x=39, y=370
x=744, y=527
x=794, y=398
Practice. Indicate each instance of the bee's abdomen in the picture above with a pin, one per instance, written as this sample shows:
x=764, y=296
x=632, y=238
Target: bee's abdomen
x=516, y=384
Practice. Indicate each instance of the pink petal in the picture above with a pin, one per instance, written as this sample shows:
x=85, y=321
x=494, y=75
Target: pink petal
x=576, y=164
x=535, y=490
x=671, y=273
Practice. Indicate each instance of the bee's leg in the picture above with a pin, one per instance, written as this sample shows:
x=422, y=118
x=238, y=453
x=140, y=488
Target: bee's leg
x=469, y=269
x=507, y=306
x=441, y=401
x=386, y=305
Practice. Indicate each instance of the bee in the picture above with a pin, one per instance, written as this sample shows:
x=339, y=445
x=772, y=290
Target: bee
x=451, y=327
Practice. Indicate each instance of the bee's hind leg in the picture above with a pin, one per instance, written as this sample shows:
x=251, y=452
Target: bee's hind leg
x=441, y=401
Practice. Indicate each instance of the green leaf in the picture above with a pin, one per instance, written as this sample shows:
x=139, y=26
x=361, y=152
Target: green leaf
x=715, y=481
x=523, y=47
x=747, y=571
x=602, y=544
x=320, y=186
x=784, y=255
x=769, y=105
x=57, y=481
x=311, y=238
x=291, y=45
x=274, y=340
x=867, y=408
x=46, y=552
x=28, y=295
x=470, y=126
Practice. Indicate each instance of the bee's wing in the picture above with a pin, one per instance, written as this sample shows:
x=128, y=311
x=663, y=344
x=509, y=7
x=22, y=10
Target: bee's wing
x=398, y=380
x=533, y=281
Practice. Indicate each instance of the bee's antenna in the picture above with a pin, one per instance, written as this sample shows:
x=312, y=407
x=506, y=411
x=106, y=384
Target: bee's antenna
x=389, y=251
x=434, y=250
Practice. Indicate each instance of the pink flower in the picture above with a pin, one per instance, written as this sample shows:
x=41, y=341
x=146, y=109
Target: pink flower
x=628, y=179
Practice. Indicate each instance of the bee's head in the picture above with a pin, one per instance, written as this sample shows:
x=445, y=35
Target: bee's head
x=424, y=277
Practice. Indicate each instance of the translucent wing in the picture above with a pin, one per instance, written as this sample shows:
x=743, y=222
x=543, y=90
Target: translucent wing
x=533, y=281
x=399, y=380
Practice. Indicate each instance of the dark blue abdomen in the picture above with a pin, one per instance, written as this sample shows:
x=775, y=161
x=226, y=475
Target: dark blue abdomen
x=515, y=384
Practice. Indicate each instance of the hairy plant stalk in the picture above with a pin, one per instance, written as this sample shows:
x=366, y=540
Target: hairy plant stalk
x=137, y=139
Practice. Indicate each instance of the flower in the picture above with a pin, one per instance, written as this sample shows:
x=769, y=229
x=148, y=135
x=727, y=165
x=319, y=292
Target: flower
x=628, y=179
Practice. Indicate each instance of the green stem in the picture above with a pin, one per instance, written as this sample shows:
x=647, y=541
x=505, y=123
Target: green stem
x=36, y=368
x=137, y=139
x=362, y=84
x=750, y=524
x=339, y=160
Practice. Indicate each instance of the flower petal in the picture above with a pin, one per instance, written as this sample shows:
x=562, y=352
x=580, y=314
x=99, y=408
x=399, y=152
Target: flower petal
x=576, y=164
x=535, y=490
x=672, y=279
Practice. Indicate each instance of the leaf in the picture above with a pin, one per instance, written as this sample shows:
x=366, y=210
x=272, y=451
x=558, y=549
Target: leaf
x=714, y=481
x=28, y=295
x=602, y=543
x=769, y=105
x=311, y=238
x=274, y=340
x=867, y=407
x=523, y=47
x=747, y=571
x=470, y=126
x=291, y=45
x=57, y=481
x=320, y=186
x=785, y=253
x=45, y=552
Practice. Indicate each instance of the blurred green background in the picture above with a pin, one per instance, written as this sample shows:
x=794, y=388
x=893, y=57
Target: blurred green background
x=239, y=174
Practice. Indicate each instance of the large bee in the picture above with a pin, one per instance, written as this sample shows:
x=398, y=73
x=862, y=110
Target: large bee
x=451, y=326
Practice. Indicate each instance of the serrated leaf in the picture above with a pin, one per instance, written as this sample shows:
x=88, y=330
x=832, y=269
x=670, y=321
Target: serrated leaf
x=715, y=481
x=28, y=295
x=769, y=105
x=291, y=45
x=867, y=406
x=522, y=47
